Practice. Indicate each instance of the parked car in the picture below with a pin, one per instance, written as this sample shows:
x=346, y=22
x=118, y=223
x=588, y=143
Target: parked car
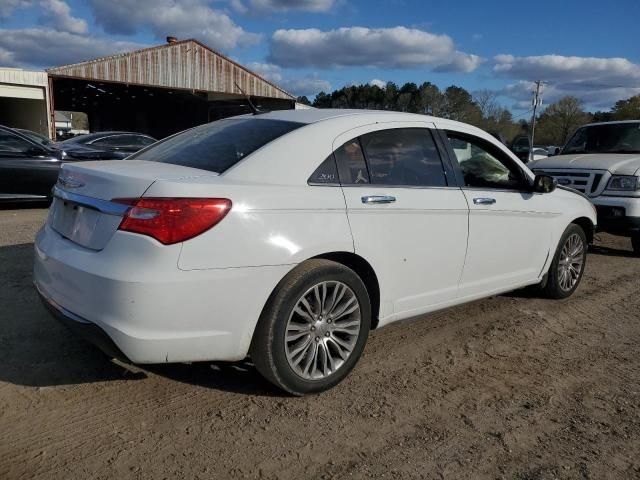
x=28, y=168
x=520, y=146
x=289, y=235
x=105, y=145
x=539, y=153
x=602, y=161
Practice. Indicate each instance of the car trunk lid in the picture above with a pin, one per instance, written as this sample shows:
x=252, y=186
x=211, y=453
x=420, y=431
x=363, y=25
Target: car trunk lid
x=83, y=210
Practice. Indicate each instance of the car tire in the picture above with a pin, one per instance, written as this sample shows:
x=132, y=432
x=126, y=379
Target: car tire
x=310, y=347
x=635, y=243
x=568, y=264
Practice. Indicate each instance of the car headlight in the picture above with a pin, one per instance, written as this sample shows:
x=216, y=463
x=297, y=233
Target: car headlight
x=625, y=183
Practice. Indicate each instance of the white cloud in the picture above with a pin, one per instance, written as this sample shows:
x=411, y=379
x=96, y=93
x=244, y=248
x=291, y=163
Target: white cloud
x=238, y=6
x=57, y=14
x=398, y=47
x=7, y=7
x=267, y=70
x=182, y=18
x=287, y=5
x=558, y=68
x=6, y=58
x=597, y=81
x=305, y=86
x=43, y=47
x=309, y=85
x=376, y=82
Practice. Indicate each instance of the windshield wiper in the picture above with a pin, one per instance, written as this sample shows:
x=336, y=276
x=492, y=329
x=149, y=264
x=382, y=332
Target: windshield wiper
x=622, y=150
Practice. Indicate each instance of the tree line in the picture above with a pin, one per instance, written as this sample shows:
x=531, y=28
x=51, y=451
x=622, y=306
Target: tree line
x=553, y=126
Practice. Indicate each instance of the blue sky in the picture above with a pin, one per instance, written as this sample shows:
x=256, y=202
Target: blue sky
x=586, y=48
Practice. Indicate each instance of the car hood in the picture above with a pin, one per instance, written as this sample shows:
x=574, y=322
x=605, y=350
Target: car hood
x=616, y=163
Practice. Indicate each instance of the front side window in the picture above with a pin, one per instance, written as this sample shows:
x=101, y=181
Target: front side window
x=112, y=141
x=403, y=157
x=217, y=146
x=483, y=165
x=142, y=141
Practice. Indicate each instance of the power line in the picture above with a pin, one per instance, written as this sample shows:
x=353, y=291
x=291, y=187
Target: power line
x=522, y=114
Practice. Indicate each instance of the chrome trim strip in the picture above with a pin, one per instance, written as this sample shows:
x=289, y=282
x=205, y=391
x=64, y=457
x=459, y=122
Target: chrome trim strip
x=104, y=206
x=61, y=309
x=16, y=196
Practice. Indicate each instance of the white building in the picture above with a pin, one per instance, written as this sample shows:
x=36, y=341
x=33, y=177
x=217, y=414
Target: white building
x=24, y=100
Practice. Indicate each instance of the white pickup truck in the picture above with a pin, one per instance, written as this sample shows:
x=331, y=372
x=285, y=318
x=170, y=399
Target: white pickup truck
x=602, y=161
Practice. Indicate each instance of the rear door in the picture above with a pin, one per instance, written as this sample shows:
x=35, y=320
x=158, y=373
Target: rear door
x=509, y=225
x=408, y=218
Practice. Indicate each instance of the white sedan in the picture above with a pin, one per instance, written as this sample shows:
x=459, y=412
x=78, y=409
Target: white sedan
x=288, y=235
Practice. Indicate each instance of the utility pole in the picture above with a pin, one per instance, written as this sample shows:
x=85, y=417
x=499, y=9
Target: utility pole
x=537, y=101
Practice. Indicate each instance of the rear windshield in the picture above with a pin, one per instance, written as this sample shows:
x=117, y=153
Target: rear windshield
x=605, y=138
x=217, y=146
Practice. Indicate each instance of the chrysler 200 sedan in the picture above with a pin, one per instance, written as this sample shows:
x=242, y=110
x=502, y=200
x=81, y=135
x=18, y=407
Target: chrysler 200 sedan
x=289, y=235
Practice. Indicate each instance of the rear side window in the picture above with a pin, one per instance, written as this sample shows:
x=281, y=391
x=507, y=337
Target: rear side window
x=351, y=165
x=219, y=145
x=10, y=144
x=403, y=157
x=326, y=173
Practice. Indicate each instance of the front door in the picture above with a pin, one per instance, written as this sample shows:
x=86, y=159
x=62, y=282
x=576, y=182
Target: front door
x=509, y=234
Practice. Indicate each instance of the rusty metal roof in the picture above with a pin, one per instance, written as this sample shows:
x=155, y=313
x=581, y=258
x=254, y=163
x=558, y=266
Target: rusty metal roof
x=187, y=64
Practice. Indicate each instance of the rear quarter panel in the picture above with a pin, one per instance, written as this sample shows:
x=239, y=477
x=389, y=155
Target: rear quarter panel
x=267, y=224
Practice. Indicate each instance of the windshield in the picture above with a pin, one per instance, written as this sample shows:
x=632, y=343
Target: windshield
x=605, y=138
x=217, y=146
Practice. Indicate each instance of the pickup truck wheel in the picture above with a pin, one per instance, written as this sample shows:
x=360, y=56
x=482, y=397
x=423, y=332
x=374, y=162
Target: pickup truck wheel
x=313, y=329
x=635, y=243
x=568, y=264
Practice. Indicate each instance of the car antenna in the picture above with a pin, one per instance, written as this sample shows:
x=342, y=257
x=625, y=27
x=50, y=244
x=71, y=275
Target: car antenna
x=255, y=110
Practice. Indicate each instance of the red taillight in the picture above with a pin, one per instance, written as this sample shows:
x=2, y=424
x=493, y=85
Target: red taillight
x=172, y=220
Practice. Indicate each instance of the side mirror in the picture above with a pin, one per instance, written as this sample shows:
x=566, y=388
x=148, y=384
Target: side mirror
x=36, y=151
x=544, y=184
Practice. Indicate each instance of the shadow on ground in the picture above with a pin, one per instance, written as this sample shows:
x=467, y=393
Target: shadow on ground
x=37, y=351
x=609, y=251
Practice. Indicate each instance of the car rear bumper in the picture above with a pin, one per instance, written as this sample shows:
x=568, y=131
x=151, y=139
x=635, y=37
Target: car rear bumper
x=84, y=328
x=133, y=293
x=618, y=215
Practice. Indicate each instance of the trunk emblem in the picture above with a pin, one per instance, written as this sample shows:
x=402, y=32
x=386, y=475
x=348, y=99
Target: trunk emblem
x=70, y=182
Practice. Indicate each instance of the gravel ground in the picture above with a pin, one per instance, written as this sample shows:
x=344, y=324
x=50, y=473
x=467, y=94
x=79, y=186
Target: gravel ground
x=510, y=387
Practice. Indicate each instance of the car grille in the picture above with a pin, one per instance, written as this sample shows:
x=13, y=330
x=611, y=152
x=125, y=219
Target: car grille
x=589, y=182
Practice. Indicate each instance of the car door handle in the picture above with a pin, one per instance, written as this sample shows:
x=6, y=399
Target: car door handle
x=484, y=201
x=378, y=199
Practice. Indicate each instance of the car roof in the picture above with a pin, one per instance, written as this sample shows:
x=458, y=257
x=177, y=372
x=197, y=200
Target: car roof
x=611, y=123
x=314, y=115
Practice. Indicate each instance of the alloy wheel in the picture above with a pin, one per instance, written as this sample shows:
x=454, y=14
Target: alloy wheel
x=571, y=262
x=322, y=330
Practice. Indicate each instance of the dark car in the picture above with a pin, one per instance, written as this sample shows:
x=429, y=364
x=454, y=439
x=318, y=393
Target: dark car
x=104, y=145
x=28, y=169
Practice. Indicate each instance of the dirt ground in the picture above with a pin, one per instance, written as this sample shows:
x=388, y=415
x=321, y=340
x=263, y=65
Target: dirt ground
x=510, y=387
